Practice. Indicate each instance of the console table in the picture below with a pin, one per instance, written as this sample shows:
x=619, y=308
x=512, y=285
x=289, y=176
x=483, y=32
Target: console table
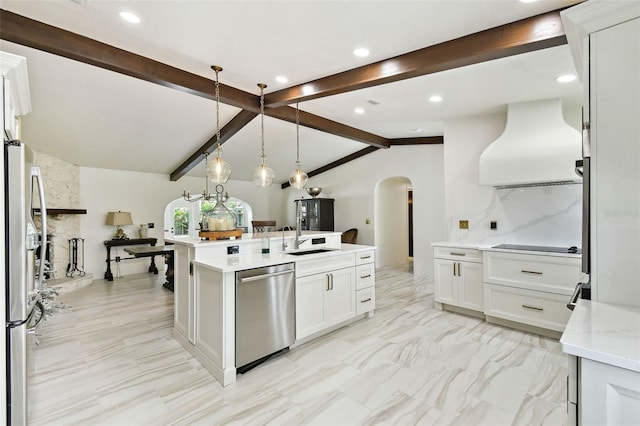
x=131, y=242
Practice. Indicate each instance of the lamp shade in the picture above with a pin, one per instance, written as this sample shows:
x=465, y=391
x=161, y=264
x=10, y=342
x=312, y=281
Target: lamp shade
x=119, y=219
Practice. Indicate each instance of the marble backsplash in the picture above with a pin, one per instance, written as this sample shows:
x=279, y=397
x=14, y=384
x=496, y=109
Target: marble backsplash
x=544, y=215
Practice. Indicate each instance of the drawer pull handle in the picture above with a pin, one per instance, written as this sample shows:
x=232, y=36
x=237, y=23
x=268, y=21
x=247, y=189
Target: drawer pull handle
x=365, y=300
x=364, y=257
x=524, y=271
x=365, y=276
x=457, y=254
x=535, y=308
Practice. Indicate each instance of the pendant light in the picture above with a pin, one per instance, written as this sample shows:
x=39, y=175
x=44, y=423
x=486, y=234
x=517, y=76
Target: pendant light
x=206, y=195
x=218, y=170
x=298, y=178
x=263, y=174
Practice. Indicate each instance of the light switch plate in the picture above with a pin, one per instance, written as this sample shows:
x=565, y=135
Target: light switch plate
x=464, y=224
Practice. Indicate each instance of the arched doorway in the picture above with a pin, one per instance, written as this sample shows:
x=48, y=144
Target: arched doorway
x=393, y=225
x=181, y=217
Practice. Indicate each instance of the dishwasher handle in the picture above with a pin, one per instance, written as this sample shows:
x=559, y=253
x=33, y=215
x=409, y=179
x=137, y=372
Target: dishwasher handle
x=262, y=277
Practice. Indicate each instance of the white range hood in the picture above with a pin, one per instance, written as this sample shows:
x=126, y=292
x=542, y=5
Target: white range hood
x=536, y=148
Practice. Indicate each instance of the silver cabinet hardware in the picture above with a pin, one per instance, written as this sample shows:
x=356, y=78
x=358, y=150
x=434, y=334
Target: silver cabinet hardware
x=365, y=300
x=190, y=268
x=454, y=269
x=331, y=280
x=365, y=276
x=524, y=271
x=364, y=257
x=459, y=272
x=574, y=296
x=328, y=282
x=457, y=254
x=535, y=308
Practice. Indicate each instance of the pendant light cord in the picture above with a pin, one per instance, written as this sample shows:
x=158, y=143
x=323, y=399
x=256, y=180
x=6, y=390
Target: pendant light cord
x=297, y=134
x=217, y=69
x=262, y=86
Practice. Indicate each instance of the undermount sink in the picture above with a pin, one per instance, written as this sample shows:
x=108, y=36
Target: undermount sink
x=313, y=251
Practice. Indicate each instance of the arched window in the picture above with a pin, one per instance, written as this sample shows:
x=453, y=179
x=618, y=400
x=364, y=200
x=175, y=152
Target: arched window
x=182, y=218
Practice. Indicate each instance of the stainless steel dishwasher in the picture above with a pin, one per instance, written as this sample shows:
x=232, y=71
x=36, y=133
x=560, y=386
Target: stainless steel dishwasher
x=265, y=313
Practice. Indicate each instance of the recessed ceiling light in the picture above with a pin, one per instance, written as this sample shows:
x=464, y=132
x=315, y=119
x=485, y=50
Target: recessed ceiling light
x=282, y=79
x=130, y=17
x=361, y=52
x=435, y=99
x=566, y=78
x=418, y=130
x=528, y=1
x=359, y=110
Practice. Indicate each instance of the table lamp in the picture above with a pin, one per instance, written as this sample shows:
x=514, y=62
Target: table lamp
x=119, y=219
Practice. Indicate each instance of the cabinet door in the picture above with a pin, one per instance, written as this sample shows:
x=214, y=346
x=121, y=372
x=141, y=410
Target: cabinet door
x=311, y=304
x=341, y=297
x=445, y=283
x=470, y=288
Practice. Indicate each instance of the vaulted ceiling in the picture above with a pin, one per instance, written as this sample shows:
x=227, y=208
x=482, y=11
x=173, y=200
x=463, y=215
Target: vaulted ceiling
x=156, y=113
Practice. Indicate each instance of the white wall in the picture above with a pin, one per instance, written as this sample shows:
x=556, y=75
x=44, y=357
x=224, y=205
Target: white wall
x=146, y=195
x=548, y=215
x=391, y=225
x=353, y=187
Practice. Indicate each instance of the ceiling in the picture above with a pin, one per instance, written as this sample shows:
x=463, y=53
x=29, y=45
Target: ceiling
x=98, y=118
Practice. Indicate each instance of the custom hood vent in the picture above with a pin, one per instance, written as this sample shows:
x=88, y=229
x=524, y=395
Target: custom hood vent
x=536, y=148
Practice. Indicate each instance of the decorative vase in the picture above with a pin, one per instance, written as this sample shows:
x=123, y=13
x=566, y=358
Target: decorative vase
x=144, y=231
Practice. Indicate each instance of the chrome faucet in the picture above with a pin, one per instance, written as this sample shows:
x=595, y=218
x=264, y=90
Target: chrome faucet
x=284, y=245
x=298, y=241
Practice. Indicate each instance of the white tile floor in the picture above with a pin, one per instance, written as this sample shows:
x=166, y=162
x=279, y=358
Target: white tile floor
x=111, y=359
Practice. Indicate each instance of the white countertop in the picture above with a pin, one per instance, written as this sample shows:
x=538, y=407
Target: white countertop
x=605, y=333
x=249, y=237
x=489, y=247
x=238, y=262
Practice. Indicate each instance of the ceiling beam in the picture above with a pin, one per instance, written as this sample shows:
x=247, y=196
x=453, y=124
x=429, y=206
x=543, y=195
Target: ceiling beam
x=28, y=32
x=427, y=140
x=527, y=35
x=339, y=162
x=231, y=128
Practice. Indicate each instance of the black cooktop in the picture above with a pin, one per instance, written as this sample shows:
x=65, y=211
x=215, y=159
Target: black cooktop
x=572, y=249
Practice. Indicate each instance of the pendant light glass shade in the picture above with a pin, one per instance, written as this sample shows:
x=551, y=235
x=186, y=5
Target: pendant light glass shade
x=298, y=178
x=218, y=170
x=263, y=174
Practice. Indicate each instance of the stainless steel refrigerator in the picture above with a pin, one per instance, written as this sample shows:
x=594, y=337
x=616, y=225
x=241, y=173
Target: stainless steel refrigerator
x=23, y=274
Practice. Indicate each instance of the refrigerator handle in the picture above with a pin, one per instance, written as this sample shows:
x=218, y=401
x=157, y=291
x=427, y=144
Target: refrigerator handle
x=35, y=172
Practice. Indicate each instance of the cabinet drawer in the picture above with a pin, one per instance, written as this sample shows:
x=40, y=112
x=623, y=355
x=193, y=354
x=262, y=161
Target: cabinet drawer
x=537, y=308
x=365, y=300
x=365, y=276
x=366, y=256
x=461, y=254
x=324, y=264
x=545, y=273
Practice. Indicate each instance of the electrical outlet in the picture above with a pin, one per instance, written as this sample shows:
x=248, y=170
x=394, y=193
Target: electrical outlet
x=233, y=249
x=151, y=225
x=494, y=225
x=367, y=221
x=464, y=224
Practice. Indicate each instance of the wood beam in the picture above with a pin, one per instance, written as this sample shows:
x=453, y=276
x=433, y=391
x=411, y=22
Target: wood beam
x=28, y=32
x=339, y=162
x=527, y=35
x=231, y=128
x=427, y=140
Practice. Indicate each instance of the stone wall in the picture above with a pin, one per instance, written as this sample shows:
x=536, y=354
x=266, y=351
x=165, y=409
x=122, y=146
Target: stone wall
x=62, y=191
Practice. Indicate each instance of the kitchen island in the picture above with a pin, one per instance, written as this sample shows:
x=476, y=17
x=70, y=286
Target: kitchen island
x=332, y=288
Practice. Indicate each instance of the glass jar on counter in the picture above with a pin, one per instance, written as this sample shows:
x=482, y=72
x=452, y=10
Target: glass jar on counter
x=220, y=218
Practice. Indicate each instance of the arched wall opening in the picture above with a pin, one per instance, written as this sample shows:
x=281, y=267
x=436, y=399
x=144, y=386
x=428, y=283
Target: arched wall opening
x=393, y=224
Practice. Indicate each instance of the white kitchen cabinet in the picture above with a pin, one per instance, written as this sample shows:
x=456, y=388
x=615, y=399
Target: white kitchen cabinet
x=324, y=300
x=183, y=293
x=609, y=395
x=458, y=278
x=529, y=289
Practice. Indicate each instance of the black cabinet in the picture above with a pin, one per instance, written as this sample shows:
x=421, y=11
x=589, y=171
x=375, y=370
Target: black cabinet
x=316, y=214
